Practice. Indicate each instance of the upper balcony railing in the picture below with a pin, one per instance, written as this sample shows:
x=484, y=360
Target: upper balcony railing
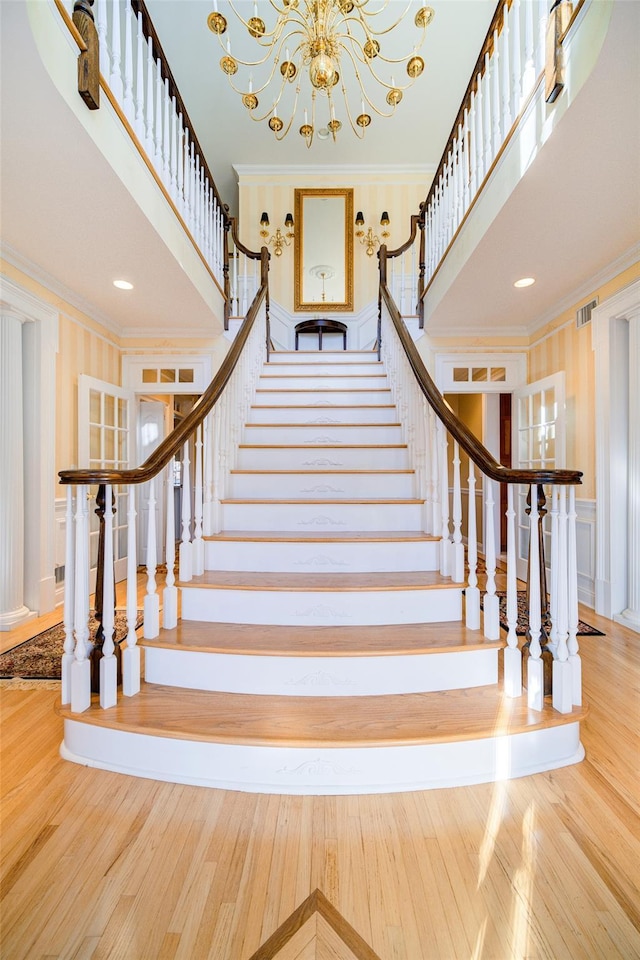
x=509, y=72
x=137, y=80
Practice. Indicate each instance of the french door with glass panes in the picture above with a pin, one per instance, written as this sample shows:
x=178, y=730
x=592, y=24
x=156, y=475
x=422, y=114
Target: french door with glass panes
x=539, y=441
x=105, y=441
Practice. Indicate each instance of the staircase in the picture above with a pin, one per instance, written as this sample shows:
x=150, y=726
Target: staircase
x=321, y=651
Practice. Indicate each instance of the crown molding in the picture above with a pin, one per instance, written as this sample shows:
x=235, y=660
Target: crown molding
x=586, y=289
x=331, y=169
x=34, y=272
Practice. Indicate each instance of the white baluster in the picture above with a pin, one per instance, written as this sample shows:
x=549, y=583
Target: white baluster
x=535, y=669
x=479, y=133
x=115, y=77
x=166, y=136
x=101, y=27
x=185, y=555
x=157, y=124
x=170, y=592
x=69, y=578
x=108, y=662
x=131, y=651
x=151, y=600
x=174, y=153
x=148, y=100
x=529, y=75
x=562, y=692
x=81, y=666
x=486, y=120
x=540, y=52
x=555, y=568
x=512, y=654
x=208, y=457
x=128, y=104
x=466, y=168
x=491, y=602
x=139, y=93
x=472, y=593
x=572, y=591
x=445, y=543
x=198, y=542
x=505, y=74
x=435, y=483
x=495, y=97
x=516, y=58
x=457, y=550
x=180, y=175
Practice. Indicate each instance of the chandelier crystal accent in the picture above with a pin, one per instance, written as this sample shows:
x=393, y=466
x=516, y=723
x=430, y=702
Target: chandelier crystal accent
x=335, y=60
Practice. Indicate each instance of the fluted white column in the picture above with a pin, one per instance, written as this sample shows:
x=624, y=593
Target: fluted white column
x=12, y=606
x=631, y=614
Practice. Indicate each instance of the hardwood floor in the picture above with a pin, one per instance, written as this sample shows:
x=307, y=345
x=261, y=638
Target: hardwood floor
x=98, y=865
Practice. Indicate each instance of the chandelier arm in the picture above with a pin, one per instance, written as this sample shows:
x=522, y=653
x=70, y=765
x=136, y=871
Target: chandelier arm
x=283, y=16
x=359, y=131
x=364, y=95
x=381, y=33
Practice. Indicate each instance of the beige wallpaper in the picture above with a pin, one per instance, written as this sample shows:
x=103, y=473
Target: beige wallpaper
x=397, y=192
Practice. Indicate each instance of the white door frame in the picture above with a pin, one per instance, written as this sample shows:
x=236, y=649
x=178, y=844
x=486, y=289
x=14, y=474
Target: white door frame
x=615, y=341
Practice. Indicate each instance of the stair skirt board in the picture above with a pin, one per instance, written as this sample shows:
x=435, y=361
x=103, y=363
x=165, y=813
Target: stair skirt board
x=320, y=608
x=360, y=676
x=322, y=771
x=332, y=556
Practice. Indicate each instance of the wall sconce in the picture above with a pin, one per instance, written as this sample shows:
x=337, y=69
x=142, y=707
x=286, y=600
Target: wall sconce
x=369, y=239
x=279, y=239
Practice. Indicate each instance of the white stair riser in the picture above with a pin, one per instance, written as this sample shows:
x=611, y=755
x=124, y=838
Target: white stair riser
x=325, y=357
x=328, y=382
x=322, y=458
x=318, y=771
x=320, y=676
x=310, y=369
x=331, y=557
x=323, y=417
x=321, y=608
x=316, y=485
x=330, y=434
x=323, y=398
x=323, y=518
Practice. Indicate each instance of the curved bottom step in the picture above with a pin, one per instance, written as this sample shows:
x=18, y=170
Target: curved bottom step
x=209, y=740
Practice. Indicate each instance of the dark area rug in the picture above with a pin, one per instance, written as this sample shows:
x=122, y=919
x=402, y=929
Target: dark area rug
x=40, y=658
x=584, y=629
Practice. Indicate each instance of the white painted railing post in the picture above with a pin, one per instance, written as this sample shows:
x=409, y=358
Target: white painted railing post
x=108, y=662
x=151, y=600
x=572, y=589
x=562, y=693
x=535, y=667
x=457, y=550
x=512, y=654
x=197, y=558
x=170, y=592
x=445, y=542
x=472, y=593
x=69, y=578
x=131, y=651
x=185, y=555
x=491, y=601
x=81, y=666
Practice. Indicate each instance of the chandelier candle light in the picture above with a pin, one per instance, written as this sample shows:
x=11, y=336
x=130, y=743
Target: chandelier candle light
x=329, y=43
x=369, y=239
x=278, y=239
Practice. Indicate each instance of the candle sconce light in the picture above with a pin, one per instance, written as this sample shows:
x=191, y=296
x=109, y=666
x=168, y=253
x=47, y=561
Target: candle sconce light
x=278, y=240
x=369, y=239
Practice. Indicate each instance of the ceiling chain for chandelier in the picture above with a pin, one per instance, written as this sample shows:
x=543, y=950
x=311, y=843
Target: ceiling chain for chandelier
x=326, y=42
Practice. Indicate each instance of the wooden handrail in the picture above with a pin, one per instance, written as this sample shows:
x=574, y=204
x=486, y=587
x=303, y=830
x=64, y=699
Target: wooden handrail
x=171, y=444
x=149, y=31
x=474, y=449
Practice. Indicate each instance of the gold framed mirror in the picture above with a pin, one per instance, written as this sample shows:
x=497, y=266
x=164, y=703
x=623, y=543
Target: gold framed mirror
x=323, y=250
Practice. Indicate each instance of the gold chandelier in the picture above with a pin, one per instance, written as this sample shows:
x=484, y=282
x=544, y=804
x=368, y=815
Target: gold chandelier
x=314, y=48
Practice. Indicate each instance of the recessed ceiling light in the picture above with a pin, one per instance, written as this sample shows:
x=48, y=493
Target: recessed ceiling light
x=525, y=282
x=323, y=133
x=123, y=285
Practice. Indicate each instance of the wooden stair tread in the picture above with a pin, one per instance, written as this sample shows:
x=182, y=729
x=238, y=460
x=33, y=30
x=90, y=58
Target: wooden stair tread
x=294, y=537
x=265, y=720
x=322, y=582
x=274, y=640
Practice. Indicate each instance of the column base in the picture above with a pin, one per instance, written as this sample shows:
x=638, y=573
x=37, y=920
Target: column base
x=14, y=618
